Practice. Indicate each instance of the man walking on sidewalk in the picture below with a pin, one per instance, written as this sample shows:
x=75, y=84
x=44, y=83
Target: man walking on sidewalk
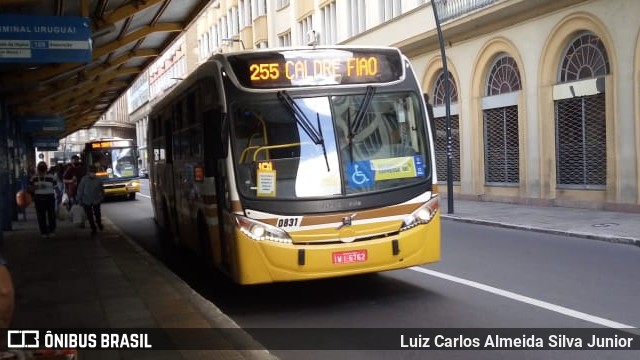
x=90, y=195
x=43, y=186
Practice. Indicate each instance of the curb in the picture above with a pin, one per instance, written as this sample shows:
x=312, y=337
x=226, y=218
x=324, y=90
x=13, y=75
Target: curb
x=211, y=313
x=607, y=238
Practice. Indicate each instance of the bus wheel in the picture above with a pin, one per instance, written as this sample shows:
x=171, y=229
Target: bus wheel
x=132, y=196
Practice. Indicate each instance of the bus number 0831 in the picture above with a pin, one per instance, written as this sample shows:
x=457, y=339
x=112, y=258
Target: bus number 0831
x=287, y=222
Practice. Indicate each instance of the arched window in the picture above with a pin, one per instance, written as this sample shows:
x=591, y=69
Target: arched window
x=581, y=151
x=439, y=95
x=500, y=110
x=504, y=76
x=440, y=131
x=584, y=58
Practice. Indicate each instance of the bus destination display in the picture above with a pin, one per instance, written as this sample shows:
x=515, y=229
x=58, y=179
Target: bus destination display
x=110, y=144
x=295, y=68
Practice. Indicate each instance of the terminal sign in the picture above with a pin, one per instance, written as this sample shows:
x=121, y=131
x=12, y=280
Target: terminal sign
x=295, y=68
x=44, y=39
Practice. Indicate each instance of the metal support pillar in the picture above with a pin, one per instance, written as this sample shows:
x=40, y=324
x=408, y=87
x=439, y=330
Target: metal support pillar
x=447, y=95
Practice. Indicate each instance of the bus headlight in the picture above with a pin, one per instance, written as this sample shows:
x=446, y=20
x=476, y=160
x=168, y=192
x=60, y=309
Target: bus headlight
x=422, y=215
x=260, y=231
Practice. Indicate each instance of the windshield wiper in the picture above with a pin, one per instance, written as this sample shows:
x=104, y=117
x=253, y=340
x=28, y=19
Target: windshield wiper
x=324, y=148
x=362, y=111
x=304, y=122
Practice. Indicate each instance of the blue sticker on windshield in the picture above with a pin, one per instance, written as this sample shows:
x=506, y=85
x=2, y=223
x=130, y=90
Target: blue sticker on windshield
x=419, y=164
x=360, y=174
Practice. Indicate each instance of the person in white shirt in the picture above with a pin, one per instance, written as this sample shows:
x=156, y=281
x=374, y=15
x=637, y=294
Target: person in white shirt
x=43, y=186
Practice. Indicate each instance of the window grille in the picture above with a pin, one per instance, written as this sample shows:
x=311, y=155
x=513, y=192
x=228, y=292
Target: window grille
x=440, y=135
x=439, y=93
x=501, y=136
x=441, y=147
x=581, y=150
x=502, y=154
x=581, y=142
x=585, y=58
x=504, y=76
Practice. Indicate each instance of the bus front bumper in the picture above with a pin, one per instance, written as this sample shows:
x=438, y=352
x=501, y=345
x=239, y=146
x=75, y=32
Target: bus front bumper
x=264, y=261
x=122, y=188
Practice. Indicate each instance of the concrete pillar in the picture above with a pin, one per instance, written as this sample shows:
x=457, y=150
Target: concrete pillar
x=5, y=188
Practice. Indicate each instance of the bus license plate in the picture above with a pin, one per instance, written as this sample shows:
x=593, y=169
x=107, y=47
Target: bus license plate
x=348, y=257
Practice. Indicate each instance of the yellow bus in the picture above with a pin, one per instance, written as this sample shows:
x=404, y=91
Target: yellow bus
x=298, y=163
x=117, y=162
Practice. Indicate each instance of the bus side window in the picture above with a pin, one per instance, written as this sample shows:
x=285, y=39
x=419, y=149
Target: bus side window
x=168, y=142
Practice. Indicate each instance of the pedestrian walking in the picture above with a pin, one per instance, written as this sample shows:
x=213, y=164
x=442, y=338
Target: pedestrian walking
x=90, y=195
x=72, y=176
x=43, y=185
x=59, y=188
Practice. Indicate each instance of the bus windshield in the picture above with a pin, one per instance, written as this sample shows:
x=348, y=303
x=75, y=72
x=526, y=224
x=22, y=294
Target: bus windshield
x=322, y=146
x=114, y=163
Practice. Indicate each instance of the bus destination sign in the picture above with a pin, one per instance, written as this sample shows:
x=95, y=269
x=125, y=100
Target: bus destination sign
x=110, y=144
x=317, y=67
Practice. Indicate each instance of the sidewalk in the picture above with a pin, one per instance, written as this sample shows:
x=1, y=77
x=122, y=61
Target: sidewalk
x=107, y=281
x=609, y=226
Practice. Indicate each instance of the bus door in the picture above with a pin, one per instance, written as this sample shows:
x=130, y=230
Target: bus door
x=191, y=155
x=215, y=147
x=188, y=184
x=168, y=180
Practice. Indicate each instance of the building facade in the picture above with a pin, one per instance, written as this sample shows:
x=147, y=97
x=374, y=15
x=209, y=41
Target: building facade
x=545, y=95
x=155, y=82
x=545, y=101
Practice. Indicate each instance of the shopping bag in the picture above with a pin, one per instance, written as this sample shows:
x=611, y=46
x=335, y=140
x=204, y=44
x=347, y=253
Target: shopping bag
x=65, y=199
x=77, y=214
x=62, y=213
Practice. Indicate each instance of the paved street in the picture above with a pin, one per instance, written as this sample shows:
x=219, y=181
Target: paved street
x=489, y=277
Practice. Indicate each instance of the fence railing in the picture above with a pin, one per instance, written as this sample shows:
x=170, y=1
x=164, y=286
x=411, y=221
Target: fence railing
x=452, y=9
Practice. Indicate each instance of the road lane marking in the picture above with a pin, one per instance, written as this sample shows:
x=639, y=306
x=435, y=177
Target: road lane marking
x=143, y=195
x=525, y=299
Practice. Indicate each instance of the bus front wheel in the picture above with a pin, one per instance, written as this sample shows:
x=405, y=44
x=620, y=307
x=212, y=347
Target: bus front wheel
x=132, y=196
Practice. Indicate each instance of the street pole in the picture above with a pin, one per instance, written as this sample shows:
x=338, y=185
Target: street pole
x=447, y=105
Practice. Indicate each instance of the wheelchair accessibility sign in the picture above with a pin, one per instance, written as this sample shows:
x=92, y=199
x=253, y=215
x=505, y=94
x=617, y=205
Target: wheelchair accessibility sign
x=360, y=174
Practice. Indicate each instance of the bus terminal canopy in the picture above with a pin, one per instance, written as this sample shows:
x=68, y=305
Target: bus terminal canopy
x=72, y=59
